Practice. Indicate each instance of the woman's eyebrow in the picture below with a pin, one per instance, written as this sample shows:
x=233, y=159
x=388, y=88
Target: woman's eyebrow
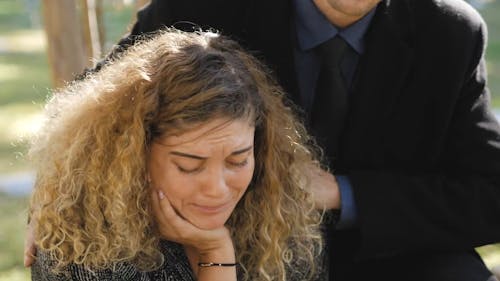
x=243, y=150
x=197, y=157
x=182, y=154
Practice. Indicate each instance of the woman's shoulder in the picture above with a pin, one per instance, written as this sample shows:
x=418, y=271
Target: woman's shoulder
x=176, y=262
x=44, y=268
x=174, y=267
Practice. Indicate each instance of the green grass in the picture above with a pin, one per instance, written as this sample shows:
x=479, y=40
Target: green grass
x=493, y=63
x=16, y=121
x=490, y=255
x=491, y=14
x=25, y=77
x=24, y=83
x=12, y=225
x=13, y=15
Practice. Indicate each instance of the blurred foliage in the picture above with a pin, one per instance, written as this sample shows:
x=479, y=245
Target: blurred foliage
x=24, y=87
x=24, y=71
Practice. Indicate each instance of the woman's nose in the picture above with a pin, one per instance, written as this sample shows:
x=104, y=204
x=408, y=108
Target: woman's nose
x=214, y=184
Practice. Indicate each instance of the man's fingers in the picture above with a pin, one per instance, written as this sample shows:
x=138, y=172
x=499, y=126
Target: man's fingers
x=29, y=246
x=29, y=256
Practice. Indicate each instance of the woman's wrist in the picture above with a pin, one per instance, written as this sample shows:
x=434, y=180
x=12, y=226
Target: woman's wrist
x=218, y=263
x=220, y=250
x=221, y=254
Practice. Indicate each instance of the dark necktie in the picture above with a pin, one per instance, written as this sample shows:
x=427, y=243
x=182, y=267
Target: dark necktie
x=330, y=103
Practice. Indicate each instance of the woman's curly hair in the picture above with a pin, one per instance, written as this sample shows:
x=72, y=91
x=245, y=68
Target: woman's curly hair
x=92, y=203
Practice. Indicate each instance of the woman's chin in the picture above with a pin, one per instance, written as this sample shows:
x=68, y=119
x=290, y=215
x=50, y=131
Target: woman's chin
x=209, y=225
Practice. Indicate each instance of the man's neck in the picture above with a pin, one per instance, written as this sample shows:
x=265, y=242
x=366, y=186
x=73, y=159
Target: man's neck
x=337, y=18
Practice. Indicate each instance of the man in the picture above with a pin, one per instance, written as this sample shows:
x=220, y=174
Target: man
x=412, y=144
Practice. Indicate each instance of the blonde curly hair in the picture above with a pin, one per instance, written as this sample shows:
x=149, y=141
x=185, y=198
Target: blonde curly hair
x=92, y=201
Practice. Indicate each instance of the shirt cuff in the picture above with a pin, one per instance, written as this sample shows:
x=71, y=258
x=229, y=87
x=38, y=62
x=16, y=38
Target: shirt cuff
x=348, y=211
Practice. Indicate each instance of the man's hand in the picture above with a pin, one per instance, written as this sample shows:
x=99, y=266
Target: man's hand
x=324, y=188
x=29, y=245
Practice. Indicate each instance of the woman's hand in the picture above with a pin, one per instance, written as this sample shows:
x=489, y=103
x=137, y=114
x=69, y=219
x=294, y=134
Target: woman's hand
x=175, y=228
x=205, y=245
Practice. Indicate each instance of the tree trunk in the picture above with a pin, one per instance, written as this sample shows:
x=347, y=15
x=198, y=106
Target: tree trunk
x=99, y=11
x=141, y=3
x=91, y=34
x=65, y=49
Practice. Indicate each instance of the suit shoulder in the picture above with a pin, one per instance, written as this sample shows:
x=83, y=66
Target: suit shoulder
x=452, y=14
x=445, y=23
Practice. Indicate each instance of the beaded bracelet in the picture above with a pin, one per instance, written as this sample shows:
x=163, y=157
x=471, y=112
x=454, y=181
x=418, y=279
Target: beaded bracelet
x=209, y=264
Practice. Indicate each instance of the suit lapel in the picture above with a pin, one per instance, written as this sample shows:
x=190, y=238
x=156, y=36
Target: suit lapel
x=379, y=80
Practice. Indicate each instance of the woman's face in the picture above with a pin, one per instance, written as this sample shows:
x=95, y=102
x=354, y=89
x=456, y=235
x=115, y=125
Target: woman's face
x=205, y=171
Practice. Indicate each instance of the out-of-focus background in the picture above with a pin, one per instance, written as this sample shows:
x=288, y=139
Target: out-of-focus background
x=30, y=66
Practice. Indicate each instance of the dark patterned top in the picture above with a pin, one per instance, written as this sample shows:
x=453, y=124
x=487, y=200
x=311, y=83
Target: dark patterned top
x=175, y=268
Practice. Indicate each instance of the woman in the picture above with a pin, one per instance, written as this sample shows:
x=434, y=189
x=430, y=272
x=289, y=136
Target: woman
x=177, y=161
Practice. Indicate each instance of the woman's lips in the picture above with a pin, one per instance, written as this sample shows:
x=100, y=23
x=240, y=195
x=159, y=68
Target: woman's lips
x=212, y=209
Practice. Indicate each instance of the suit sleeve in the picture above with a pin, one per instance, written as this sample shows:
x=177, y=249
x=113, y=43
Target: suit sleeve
x=457, y=207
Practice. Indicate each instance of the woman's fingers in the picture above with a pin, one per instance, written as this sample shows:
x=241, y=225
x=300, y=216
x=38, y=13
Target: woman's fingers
x=166, y=208
x=175, y=228
x=156, y=206
x=172, y=226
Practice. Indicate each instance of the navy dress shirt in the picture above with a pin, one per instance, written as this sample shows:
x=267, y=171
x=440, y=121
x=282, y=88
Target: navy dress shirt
x=311, y=29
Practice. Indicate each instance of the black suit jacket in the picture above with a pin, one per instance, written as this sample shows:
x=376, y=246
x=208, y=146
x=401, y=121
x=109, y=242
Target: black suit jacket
x=421, y=146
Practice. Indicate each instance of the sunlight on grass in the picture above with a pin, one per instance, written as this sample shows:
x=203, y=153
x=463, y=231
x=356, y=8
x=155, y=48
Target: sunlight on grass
x=30, y=84
x=490, y=255
x=19, y=121
x=9, y=72
x=25, y=40
x=13, y=213
x=15, y=274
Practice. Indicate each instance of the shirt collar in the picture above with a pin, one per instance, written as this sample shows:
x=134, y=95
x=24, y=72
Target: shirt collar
x=313, y=28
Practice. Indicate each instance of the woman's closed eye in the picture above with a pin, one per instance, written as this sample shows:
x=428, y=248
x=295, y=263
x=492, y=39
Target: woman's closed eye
x=190, y=170
x=189, y=166
x=240, y=158
x=240, y=163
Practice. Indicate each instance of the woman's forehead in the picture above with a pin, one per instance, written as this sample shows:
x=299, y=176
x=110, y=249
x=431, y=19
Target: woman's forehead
x=219, y=130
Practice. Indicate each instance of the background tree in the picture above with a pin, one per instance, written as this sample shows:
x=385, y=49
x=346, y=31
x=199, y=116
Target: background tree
x=141, y=3
x=65, y=49
x=92, y=27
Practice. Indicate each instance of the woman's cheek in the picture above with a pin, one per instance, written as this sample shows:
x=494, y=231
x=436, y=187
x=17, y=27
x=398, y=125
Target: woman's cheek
x=177, y=191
